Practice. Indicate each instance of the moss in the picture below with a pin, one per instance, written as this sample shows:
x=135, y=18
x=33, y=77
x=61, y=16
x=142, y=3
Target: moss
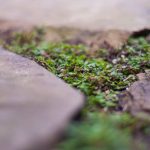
x=100, y=76
x=99, y=132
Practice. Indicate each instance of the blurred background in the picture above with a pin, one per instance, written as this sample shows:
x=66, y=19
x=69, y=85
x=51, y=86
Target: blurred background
x=85, y=14
x=100, y=68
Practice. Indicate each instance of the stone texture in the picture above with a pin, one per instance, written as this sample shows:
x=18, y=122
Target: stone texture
x=35, y=106
x=85, y=14
x=136, y=99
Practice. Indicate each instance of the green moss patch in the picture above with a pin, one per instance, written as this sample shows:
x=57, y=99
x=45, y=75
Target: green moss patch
x=100, y=76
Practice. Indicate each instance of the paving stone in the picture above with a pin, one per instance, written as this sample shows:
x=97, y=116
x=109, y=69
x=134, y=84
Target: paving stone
x=35, y=106
x=85, y=14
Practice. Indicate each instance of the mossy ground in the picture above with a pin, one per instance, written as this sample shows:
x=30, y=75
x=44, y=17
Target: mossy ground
x=100, y=76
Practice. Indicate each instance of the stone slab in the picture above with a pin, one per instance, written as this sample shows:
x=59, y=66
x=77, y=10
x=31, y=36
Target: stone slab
x=86, y=14
x=35, y=106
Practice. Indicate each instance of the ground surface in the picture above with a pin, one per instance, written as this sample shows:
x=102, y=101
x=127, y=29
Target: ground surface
x=111, y=68
x=102, y=74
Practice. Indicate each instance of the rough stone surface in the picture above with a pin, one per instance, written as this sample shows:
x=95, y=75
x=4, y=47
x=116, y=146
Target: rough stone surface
x=85, y=14
x=35, y=106
x=137, y=98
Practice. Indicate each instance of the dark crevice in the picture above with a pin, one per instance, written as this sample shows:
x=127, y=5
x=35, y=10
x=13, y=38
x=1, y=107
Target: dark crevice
x=141, y=33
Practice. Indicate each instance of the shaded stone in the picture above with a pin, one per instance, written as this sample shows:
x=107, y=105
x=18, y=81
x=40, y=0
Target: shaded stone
x=35, y=106
x=136, y=99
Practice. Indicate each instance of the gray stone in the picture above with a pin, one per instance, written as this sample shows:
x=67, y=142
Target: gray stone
x=85, y=14
x=136, y=99
x=35, y=106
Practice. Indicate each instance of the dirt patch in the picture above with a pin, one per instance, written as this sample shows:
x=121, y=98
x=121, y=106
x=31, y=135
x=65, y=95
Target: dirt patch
x=110, y=39
x=101, y=39
x=7, y=28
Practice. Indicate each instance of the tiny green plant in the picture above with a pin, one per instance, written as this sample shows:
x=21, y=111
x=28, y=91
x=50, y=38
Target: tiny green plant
x=99, y=76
